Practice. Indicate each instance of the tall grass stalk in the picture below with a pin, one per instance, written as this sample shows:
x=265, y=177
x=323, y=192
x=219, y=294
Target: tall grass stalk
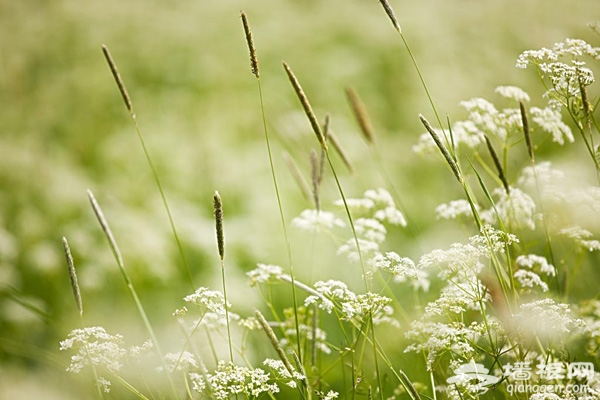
x=121, y=264
x=255, y=70
x=129, y=106
x=79, y=303
x=218, y=206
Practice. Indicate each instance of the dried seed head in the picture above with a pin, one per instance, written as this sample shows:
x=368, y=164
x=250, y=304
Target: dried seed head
x=360, y=113
x=306, y=105
x=443, y=149
x=72, y=275
x=273, y=339
x=497, y=163
x=298, y=177
x=218, y=205
x=333, y=139
x=117, y=76
x=253, y=58
x=390, y=13
x=525, y=121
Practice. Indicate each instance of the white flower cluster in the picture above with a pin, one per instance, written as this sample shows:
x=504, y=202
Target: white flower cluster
x=317, y=219
x=182, y=361
x=279, y=367
x=265, y=274
x=351, y=305
x=581, y=237
x=454, y=209
x=98, y=348
x=230, y=380
x=546, y=319
x=402, y=268
x=530, y=278
x=371, y=212
x=485, y=119
x=565, y=77
x=210, y=300
x=516, y=209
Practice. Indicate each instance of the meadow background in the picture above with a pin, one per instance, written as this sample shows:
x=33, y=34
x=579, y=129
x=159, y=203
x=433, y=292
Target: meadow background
x=64, y=129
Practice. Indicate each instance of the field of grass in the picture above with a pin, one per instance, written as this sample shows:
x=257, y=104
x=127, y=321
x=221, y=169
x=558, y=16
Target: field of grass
x=186, y=68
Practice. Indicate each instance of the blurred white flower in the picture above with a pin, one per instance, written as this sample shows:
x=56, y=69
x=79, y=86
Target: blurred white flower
x=316, y=219
x=533, y=261
x=513, y=93
x=454, y=209
x=265, y=274
x=529, y=279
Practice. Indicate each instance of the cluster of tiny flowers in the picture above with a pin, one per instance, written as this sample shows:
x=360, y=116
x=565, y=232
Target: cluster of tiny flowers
x=513, y=93
x=183, y=361
x=265, y=273
x=402, y=268
x=492, y=240
x=377, y=204
x=581, y=237
x=541, y=176
x=436, y=338
x=457, y=297
x=279, y=367
x=316, y=219
x=350, y=304
x=485, y=120
x=546, y=318
x=530, y=278
x=550, y=120
x=230, y=380
x=564, y=78
x=515, y=209
x=462, y=260
x=98, y=348
x=367, y=249
x=454, y=209
x=94, y=346
x=210, y=300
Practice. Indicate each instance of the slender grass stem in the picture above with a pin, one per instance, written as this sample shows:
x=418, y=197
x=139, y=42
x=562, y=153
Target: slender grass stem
x=121, y=264
x=129, y=106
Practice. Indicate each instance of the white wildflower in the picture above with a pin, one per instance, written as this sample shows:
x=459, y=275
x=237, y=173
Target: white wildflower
x=210, y=300
x=104, y=384
x=403, y=269
x=458, y=297
x=533, y=261
x=316, y=219
x=367, y=247
x=183, y=361
x=460, y=260
x=546, y=318
x=265, y=274
x=454, y=209
x=492, y=240
x=390, y=215
x=279, y=367
x=542, y=175
x=331, y=395
x=550, y=120
x=370, y=229
x=581, y=237
x=229, y=380
x=516, y=209
x=529, y=279
x=513, y=93
x=94, y=346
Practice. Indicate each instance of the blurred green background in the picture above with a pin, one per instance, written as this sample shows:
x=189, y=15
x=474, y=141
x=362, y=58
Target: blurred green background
x=64, y=129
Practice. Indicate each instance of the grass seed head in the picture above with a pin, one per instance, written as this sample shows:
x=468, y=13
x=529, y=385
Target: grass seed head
x=390, y=13
x=449, y=159
x=218, y=205
x=360, y=113
x=118, y=79
x=251, y=48
x=72, y=275
x=306, y=105
x=497, y=163
x=525, y=121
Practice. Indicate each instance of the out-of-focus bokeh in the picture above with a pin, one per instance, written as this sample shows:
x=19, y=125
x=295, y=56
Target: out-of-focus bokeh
x=64, y=129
